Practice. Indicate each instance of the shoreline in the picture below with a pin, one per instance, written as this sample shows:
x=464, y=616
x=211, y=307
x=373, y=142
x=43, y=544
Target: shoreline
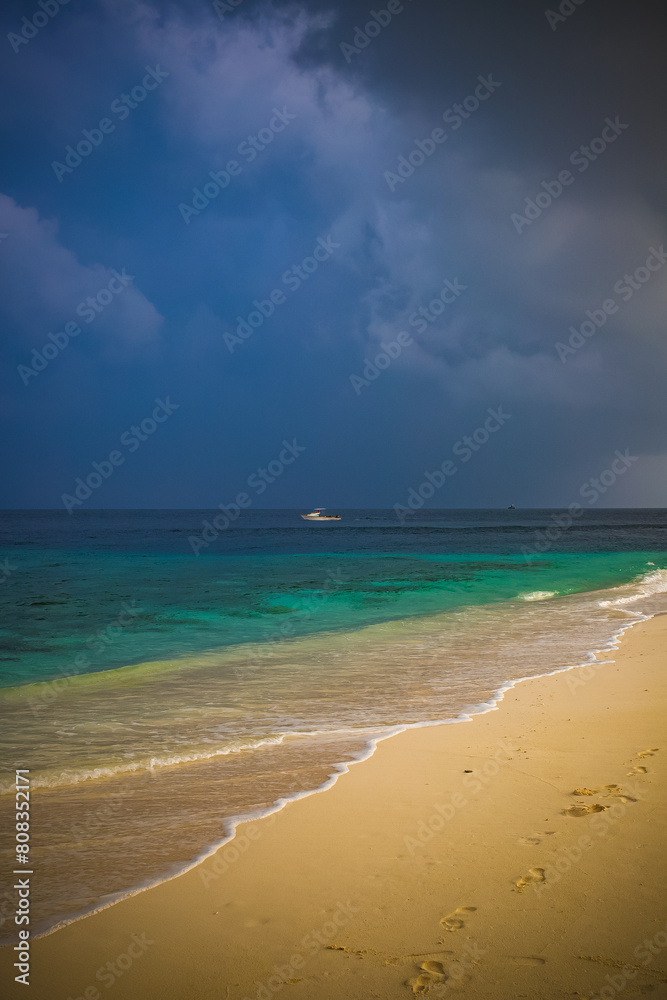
x=264, y=840
x=340, y=768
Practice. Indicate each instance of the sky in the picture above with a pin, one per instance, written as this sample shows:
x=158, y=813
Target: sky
x=215, y=218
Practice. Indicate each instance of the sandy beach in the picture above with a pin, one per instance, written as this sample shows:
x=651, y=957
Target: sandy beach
x=333, y=523
x=517, y=855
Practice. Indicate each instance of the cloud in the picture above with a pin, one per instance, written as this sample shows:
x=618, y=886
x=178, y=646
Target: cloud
x=226, y=81
x=42, y=285
x=324, y=173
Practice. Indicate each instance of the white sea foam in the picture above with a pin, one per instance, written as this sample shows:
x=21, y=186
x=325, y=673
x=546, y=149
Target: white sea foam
x=72, y=777
x=652, y=583
x=338, y=769
x=539, y=595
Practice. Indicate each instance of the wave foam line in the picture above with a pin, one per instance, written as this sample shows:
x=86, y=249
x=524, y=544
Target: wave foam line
x=652, y=583
x=77, y=777
x=340, y=768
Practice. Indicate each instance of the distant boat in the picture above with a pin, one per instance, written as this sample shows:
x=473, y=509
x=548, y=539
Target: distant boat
x=511, y=507
x=319, y=515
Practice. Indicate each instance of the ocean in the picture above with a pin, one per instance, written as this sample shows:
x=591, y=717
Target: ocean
x=159, y=689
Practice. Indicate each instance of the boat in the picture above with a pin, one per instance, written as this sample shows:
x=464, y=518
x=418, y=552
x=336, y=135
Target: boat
x=511, y=507
x=319, y=515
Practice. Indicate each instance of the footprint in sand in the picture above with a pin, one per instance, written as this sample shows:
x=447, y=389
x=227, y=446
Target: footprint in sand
x=637, y=769
x=600, y=790
x=534, y=877
x=432, y=974
x=421, y=984
x=529, y=841
x=605, y=791
x=647, y=753
x=591, y=791
x=527, y=960
x=435, y=968
x=455, y=921
x=577, y=811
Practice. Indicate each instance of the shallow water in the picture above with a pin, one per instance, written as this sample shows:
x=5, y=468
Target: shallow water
x=247, y=675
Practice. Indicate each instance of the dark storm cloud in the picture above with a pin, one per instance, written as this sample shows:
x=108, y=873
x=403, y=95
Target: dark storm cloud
x=327, y=143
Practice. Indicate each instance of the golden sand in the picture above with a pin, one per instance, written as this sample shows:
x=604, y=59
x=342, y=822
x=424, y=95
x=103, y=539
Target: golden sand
x=518, y=855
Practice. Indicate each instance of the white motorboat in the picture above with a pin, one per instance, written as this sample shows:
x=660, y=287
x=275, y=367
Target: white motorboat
x=319, y=515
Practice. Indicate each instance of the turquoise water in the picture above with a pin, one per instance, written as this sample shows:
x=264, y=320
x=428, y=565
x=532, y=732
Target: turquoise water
x=155, y=695
x=111, y=609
